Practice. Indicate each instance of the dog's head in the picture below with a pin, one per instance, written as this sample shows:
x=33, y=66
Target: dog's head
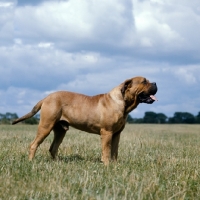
x=138, y=90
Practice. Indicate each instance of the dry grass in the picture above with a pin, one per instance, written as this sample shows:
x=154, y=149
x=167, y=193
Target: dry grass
x=155, y=162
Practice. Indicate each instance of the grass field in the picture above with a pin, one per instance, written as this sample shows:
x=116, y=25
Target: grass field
x=155, y=162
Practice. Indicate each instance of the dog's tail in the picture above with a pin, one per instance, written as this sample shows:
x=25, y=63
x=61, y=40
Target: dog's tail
x=35, y=109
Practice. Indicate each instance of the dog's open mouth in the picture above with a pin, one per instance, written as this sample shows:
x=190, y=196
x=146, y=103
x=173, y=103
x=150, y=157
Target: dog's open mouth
x=147, y=98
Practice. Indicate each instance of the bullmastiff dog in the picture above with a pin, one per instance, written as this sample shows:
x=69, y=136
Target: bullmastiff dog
x=103, y=114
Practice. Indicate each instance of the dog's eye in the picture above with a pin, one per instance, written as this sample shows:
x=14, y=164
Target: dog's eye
x=144, y=81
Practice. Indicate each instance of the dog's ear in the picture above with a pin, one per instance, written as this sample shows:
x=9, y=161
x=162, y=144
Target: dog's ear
x=126, y=85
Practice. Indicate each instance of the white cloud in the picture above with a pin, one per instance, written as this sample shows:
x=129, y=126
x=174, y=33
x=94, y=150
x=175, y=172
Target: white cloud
x=6, y=22
x=154, y=29
x=152, y=24
x=19, y=100
x=189, y=74
x=45, y=44
x=6, y=4
x=92, y=46
x=78, y=20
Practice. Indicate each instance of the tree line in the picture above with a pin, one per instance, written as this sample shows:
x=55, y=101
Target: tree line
x=8, y=117
x=149, y=117
x=160, y=118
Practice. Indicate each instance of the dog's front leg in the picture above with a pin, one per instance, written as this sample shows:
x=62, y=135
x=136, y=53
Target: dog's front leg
x=115, y=146
x=106, y=140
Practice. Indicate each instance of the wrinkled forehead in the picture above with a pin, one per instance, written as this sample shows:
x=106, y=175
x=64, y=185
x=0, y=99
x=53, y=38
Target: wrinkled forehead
x=139, y=79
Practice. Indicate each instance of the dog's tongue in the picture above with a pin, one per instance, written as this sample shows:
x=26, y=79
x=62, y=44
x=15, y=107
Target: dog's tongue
x=153, y=97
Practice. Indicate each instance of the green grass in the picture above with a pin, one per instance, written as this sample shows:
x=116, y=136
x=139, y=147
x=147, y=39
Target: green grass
x=155, y=162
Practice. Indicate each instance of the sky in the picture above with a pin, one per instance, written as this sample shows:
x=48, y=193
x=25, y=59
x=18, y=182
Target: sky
x=92, y=46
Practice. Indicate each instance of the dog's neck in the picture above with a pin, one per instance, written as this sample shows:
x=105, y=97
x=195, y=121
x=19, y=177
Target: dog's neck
x=127, y=102
x=115, y=94
x=130, y=101
x=130, y=104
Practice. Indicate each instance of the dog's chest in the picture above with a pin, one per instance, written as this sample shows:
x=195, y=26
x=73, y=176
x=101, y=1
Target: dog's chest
x=117, y=123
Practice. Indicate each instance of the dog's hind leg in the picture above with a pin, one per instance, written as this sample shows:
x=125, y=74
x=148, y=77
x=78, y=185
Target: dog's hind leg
x=42, y=133
x=60, y=130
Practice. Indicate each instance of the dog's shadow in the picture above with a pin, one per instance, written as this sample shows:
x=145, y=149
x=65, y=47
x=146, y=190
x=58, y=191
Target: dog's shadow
x=71, y=158
x=77, y=158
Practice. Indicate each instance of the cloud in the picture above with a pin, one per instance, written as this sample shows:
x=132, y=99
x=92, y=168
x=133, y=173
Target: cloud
x=6, y=22
x=83, y=21
x=151, y=30
x=164, y=29
x=19, y=100
x=6, y=4
x=92, y=46
x=189, y=74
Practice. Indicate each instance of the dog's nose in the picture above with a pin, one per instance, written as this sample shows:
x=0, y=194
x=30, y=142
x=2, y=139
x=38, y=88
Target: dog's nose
x=154, y=88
